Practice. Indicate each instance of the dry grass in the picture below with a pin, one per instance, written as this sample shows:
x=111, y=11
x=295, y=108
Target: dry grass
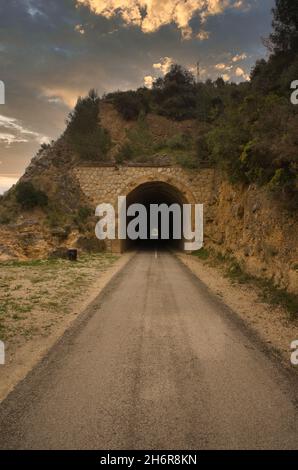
x=36, y=295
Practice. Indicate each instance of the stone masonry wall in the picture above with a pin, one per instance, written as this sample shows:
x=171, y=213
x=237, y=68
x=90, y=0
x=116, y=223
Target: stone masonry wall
x=104, y=184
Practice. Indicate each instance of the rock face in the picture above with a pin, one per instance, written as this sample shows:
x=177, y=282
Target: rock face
x=243, y=222
x=257, y=231
x=38, y=232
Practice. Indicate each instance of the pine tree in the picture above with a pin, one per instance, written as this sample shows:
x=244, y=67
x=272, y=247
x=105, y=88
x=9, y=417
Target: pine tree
x=285, y=27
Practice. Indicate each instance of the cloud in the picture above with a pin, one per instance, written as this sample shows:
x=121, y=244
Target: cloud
x=148, y=81
x=64, y=95
x=239, y=57
x=6, y=182
x=226, y=77
x=79, y=28
x=239, y=72
x=151, y=15
x=32, y=10
x=164, y=65
x=232, y=68
x=46, y=63
x=220, y=66
x=203, y=35
x=13, y=131
x=9, y=139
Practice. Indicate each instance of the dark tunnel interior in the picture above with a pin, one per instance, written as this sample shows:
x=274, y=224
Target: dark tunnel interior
x=155, y=193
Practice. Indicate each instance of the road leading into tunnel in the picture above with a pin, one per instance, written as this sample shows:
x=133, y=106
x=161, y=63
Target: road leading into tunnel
x=156, y=363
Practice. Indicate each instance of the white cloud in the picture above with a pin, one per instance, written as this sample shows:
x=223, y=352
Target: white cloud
x=220, y=66
x=148, y=81
x=32, y=9
x=226, y=77
x=12, y=131
x=150, y=15
x=60, y=94
x=231, y=69
x=9, y=139
x=239, y=57
x=79, y=28
x=164, y=65
x=203, y=35
x=239, y=72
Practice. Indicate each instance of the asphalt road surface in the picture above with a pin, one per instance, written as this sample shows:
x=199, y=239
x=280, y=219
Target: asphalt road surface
x=157, y=362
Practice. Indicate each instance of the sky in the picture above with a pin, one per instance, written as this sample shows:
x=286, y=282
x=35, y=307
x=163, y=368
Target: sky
x=52, y=51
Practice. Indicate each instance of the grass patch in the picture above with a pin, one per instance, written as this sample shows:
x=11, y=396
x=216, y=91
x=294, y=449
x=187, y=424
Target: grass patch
x=236, y=274
x=28, y=264
x=202, y=254
x=82, y=261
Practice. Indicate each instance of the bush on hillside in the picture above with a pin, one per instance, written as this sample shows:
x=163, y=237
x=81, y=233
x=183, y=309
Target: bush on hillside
x=131, y=104
x=85, y=134
x=174, y=95
x=29, y=197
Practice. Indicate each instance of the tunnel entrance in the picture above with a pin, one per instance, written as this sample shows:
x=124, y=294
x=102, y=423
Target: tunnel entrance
x=155, y=192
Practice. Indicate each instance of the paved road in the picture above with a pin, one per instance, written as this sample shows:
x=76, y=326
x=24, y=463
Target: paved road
x=157, y=363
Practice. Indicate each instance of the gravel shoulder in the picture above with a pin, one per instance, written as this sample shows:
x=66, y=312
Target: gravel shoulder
x=272, y=324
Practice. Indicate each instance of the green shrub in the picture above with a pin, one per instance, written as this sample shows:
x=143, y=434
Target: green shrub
x=283, y=179
x=93, y=145
x=125, y=153
x=29, y=197
x=175, y=94
x=202, y=254
x=82, y=216
x=84, y=212
x=139, y=145
x=131, y=104
x=236, y=273
x=187, y=160
x=84, y=132
x=202, y=151
x=181, y=141
x=6, y=216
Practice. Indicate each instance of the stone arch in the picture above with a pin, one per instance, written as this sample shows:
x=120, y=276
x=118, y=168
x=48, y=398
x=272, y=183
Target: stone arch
x=132, y=185
x=175, y=188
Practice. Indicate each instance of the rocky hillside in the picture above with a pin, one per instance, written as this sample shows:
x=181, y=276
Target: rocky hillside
x=256, y=229
x=67, y=220
x=247, y=223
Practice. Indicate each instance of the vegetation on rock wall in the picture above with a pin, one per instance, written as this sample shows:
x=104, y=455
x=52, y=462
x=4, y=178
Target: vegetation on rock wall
x=141, y=146
x=28, y=196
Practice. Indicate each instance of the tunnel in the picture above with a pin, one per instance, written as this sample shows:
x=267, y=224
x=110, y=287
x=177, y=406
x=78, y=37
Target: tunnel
x=149, y=193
